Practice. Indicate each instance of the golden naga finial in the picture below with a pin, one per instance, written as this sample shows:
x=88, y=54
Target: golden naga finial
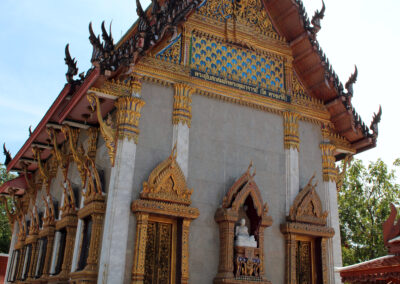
x=49, y=217
x=108, y=131
x=341, y=174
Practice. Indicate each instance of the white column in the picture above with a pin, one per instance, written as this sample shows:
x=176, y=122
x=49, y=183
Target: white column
x=181, y=119
x=116, y=224
x=181, y=140
x=14, y=239
x=291, y=143
x=334, y=248
x=114, y=255
x=292, y=177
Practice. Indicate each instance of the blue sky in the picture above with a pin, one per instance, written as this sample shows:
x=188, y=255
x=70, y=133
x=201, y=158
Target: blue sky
x=34, y=35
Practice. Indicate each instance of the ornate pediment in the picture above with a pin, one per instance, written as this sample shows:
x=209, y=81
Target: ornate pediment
x=167, y=183
x=307, y=207
x=249, y=13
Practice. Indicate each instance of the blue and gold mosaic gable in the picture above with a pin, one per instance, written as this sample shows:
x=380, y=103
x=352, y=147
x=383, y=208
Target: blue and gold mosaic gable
x=253, y=71
x=172, y=52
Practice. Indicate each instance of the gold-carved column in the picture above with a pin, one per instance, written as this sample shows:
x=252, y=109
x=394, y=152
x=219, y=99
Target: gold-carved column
x=48, y=231
x=333, y=245
x=140, y=247
x=290, y=259
x=291, y=145
x=181, y=120
x=117, y=220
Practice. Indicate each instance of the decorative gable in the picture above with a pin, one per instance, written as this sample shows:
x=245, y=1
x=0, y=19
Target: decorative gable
x=167, y=183
x=307, y=207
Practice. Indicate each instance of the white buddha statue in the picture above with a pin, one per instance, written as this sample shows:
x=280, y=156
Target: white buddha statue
x=243, y=239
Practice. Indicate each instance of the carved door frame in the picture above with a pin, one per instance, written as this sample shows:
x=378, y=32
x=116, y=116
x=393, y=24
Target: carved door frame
x=162, y=198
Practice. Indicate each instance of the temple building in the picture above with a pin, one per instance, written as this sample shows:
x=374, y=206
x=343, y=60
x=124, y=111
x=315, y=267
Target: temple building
x=200, y=148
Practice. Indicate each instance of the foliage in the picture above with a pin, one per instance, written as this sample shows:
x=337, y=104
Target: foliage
x=364, y=204
x=5, y=232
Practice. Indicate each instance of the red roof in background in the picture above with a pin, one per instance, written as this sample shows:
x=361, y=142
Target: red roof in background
x=18, y=183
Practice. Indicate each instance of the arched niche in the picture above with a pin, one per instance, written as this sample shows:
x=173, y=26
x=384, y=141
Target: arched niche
x=242, y=264
x=306, y=234
x=163, y=209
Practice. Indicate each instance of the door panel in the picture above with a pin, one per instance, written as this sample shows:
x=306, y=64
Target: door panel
x=160, y=251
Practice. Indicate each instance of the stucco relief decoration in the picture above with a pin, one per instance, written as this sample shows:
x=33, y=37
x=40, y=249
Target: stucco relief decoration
x=241, y=245
x=172, y=52
x=167, y=183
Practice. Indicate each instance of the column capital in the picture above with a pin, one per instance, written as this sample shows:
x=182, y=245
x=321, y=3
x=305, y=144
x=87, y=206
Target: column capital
x=182, y=104
x=329, y=171
x=291, y=130
x=128, y=115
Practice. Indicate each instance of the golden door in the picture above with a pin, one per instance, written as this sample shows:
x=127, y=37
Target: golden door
x=306, y=266
x=160, y=251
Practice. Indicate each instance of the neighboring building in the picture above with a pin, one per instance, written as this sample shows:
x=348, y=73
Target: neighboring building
x=200, y=148
x=384, y=269
x=3, y=266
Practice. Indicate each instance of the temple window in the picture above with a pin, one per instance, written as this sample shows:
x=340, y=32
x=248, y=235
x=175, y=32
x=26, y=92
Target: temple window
x=163, y=217
x=27, y=261
x=15, y=258
x=59, y=251
x=41, y=257
x=306, y=235
x=85, y=242
x=242, y=219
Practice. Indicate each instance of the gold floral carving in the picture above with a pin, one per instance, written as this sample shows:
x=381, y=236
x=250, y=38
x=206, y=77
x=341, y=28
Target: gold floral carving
x=164, y=194
x=92, y=143
x=34, y=226
x=249, y=12
x=167, y=183
x=182, y=112
x=306, y=220
x=329, y=171
x=118, y=88
x=226, y=217
x=107, y=129
x=291, y=130
x=128, y=115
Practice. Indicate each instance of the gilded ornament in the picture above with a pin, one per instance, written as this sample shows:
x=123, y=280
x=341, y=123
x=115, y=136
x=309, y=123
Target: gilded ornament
x=43, y=171
x=167, y=183
x=182, y=112
x=107, y=129
x=60, y=154
x=93, y=133
x=77, y=151
x=329, y=171
x=341, y=174
x=291, y=130
x=128, y=116
x=68, y=206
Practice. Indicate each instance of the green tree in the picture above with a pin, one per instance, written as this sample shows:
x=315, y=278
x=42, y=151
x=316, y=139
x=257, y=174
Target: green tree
x=5, y=232
x=364, y=204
